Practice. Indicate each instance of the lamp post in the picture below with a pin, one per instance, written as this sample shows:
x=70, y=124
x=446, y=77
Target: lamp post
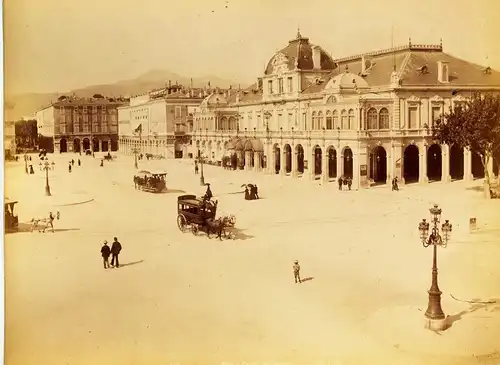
x=435, y=318
x=201, y=160
x=26, y=163
x=47, y=166
x=135, y=151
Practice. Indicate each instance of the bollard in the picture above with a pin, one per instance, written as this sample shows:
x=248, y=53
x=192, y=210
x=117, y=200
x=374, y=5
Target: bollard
x=472, y=224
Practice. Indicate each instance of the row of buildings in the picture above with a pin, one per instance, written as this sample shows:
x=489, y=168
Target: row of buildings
x=307, y=116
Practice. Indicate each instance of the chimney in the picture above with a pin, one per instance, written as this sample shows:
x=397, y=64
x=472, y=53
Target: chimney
x=191, y=83
x=443, y=71
x=316, y=56
x=209, y=84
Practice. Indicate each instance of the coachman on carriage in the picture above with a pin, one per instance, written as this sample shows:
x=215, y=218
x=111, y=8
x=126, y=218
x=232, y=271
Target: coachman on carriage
x=152, y=181
x=200, y=215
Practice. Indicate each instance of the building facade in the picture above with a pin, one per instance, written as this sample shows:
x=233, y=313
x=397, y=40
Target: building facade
x=77, y=124
x=160, y=122
x=367, y=116
x=9, y=138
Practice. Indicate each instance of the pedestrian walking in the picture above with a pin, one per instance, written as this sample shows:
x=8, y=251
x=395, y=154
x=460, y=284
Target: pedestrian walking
x=196, y=168
x=349, y=182
x=105, y=252
x=79, y=162
x=296, y=272
x=72, y=162
x=395, y=186
x=340, y=183
x=69, y=167
x=116, y=247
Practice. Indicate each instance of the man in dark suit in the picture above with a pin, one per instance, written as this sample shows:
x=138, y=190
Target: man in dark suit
x=116, y=247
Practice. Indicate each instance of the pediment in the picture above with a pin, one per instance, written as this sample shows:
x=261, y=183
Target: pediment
x=437, y=99
x=414, y=99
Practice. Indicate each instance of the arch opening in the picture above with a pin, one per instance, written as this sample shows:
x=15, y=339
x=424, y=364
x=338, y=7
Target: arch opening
x=434, y=159
x=411, y=172
x=332, y=163
x=456, y=162
x=378, y=165
x=348, y=163
x=63, y=145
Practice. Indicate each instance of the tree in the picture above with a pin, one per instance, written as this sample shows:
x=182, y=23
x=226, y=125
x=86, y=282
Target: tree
x=474, y=124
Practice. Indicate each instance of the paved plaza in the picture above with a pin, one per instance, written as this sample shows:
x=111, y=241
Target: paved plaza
x=185, y=299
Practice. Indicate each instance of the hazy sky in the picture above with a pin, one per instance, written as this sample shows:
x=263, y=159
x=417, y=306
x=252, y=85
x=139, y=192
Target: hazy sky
x=57, y=45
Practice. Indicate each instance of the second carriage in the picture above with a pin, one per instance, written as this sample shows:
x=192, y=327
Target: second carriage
x=152, y=181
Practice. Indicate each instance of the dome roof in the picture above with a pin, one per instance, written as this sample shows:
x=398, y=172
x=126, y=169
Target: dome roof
x=214, y=99
x=347, y=80
x=299, y=53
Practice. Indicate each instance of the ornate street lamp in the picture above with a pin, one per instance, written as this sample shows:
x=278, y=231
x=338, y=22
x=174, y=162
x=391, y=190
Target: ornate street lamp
x=47, y=166
x=434, y=313
x=135, y=151
x=201, y=160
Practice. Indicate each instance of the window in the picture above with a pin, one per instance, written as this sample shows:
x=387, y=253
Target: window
x=250, y=121
x=412, y=118
x=372, y=118
x=313, y=118
x=304, y=120
x=383, y=118
x=335, y=119
x=85, y=110
x=280, y=86
x=343, y=117
x=290, y=120
x=290, y=84
x=329, y=124
x=177, y=112
x=351, y=120
x=270, y=87
x=319, y=122
x=104, y=111
x=436, y=114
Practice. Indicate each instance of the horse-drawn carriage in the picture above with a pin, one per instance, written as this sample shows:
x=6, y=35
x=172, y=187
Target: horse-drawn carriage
x=199, y=215
x=152, y=181
x=11, y=219
x=109, y=157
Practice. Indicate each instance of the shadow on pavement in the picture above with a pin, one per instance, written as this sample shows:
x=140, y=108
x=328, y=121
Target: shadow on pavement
x=491, y=305
x=131, y=263
x=175, y=191
x=308, y=278
x=26, y=227
x=239, y=234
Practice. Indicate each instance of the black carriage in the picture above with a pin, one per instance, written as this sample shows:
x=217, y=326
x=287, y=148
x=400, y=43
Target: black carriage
x=200, y=215
x=11, y=219
x=152, y=181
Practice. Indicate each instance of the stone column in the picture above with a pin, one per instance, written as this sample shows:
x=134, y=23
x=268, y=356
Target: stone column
x=324, y=167
x=311, y=165
x=282, y=162
x=390, y=166
x=445, y=163
x=239, y=157
x=358, y=158
x=248, y=158
x=100, y=145
x=256, y=161
x=340, y=164
x=422, y=165
x=467, y=164
x=294, y=163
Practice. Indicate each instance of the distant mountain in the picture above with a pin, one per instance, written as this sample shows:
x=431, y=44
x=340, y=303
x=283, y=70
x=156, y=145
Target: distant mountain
x=18, y=106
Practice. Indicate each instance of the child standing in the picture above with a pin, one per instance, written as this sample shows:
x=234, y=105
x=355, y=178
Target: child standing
x=296, y=272
x=105, y=252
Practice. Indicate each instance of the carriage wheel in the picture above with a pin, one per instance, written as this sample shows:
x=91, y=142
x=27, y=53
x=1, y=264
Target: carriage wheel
x=181, y=223
x=194, y=229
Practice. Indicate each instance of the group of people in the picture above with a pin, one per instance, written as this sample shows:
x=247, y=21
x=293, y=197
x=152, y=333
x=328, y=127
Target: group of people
x=72, y=163
x=251, y=192
x=114, y=251
x=345, y=180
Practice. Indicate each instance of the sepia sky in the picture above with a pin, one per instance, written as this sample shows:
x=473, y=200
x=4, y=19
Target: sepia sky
x=57, y=45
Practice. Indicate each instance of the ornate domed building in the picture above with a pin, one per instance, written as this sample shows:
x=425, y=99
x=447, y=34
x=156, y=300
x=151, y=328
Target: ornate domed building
x=366, y=117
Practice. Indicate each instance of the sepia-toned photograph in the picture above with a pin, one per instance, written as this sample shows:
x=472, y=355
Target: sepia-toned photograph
x=250, y=182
